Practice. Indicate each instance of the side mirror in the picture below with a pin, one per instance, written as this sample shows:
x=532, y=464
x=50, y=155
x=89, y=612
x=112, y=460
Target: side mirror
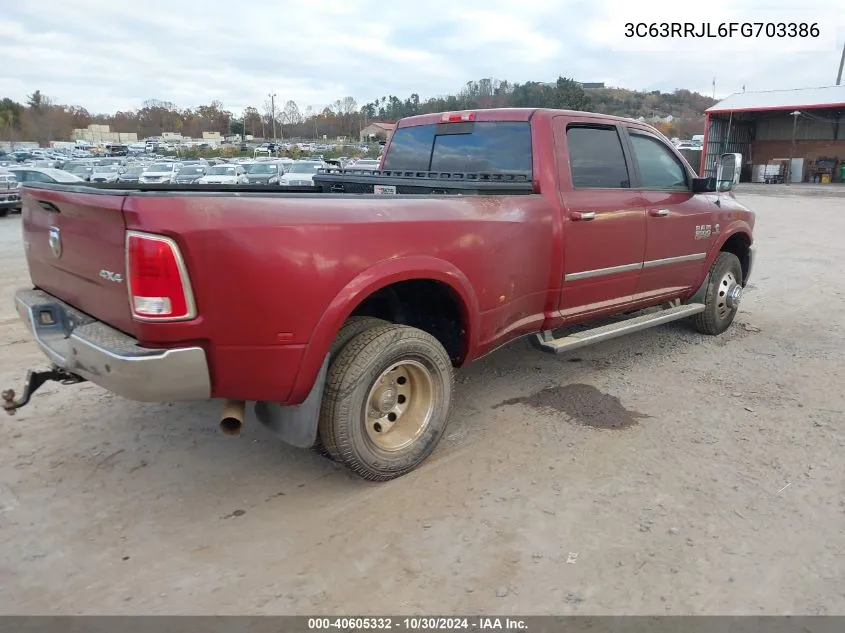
x=727, y=174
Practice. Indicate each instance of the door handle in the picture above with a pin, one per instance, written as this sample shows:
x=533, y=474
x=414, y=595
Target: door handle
x=658, y=213
x=582, y=215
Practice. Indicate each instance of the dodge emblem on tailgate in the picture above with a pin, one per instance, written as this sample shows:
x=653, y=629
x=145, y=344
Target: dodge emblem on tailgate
x=55, y=241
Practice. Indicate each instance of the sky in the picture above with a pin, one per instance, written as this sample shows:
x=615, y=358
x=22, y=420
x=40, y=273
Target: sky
x=109, y=55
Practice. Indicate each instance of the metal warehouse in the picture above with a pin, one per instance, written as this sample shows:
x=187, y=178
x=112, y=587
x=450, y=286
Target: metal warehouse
x=799, y=132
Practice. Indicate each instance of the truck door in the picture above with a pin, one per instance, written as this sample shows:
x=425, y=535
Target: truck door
x=679, y=223
x=604, y=219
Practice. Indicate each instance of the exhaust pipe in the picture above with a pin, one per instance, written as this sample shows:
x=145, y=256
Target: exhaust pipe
x=232, y=417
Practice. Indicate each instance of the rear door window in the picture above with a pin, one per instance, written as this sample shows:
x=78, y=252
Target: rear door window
x=492, y=147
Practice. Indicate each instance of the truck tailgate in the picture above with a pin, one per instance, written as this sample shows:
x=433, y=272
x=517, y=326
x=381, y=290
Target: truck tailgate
x=75, y=248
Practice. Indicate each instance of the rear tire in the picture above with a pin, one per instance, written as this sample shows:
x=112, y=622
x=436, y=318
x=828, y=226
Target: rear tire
x=721, y=300
x=4, y=213
x=386, y=401
x=349, y=330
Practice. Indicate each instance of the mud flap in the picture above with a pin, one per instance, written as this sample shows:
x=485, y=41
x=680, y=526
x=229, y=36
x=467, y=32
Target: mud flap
x=296, y=425
x=701, y=293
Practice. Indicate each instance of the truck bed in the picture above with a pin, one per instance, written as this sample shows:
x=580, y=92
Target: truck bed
x=275, y=273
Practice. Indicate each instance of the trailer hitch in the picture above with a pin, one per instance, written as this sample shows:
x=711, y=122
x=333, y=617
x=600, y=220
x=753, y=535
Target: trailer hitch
x=34, y=380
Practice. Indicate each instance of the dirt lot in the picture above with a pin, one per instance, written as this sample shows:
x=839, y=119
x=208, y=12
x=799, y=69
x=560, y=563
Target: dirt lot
x=665, y=472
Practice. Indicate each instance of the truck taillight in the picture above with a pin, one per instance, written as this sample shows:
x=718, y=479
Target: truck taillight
x=159, y=288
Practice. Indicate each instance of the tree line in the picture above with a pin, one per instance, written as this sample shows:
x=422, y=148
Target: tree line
x=42, y=118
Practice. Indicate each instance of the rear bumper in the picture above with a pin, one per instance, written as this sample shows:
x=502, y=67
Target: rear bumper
x=107, y=357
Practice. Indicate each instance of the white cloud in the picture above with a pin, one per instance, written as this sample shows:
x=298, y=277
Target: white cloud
x=108, y=55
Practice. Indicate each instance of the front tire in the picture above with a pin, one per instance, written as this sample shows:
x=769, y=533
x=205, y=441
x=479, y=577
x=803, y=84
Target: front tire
x=721, y=300
x=386, y=401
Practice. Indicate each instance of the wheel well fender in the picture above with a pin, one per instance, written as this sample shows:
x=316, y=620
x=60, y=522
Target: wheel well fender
x=365, y=284
x=737, y=241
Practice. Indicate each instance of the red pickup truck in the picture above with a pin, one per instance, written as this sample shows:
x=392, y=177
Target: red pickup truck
x=341, y=309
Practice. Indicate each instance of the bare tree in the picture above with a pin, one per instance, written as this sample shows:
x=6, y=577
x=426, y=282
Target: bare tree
x=252, y=116
x=290, y=115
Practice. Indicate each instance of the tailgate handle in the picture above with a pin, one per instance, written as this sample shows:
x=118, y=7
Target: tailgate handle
x=49, y=206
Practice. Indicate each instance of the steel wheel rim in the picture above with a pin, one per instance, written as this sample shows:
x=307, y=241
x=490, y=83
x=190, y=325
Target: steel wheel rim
x=399, y=405
x=727, y=295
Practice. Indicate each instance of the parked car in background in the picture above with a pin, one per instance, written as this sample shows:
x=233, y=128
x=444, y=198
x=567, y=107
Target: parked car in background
x=158, y=173
x=44, y=174
x=111, y=161
x=130, y=175
x=82, y=171
x=43, y=162
x=224, y=175
x=189, y=174
x=301, y=174
x=105, y=173
x=10, y=194
x=264, y=173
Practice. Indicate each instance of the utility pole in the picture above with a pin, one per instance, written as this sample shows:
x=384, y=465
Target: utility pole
x=795, y=116
x=841, y=65
x=272, y=96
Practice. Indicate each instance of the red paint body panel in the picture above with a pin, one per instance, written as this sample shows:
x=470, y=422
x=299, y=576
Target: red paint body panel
x=92, y=234
x=276, y=275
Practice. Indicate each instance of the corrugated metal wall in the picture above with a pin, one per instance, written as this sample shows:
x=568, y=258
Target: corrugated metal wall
x=719, y=142
x=693, y=157
x=748, y=127
x=807, y=129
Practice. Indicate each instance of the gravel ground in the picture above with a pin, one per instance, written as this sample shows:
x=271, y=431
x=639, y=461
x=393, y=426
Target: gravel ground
x=662, y=473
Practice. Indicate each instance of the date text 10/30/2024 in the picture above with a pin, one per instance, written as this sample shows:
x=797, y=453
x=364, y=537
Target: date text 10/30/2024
x=783, y=30
x=418, y=624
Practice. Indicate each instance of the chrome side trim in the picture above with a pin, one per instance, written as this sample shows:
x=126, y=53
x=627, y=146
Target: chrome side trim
x=674, y=260
x=599, y=272
x=624, y=268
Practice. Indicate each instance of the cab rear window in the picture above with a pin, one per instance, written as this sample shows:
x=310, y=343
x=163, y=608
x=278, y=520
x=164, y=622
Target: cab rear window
x=493, y=147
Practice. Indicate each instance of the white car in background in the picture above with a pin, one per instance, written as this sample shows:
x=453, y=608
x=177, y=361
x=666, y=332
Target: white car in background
x=224, y=175
x=158, y=173
x=10, y=193
x=105, y=173
x=301, y=174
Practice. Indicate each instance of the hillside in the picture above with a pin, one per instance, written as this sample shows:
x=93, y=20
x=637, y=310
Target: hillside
x=686, y=107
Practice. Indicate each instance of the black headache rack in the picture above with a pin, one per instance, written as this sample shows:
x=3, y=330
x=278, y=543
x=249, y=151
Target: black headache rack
x=391, y=181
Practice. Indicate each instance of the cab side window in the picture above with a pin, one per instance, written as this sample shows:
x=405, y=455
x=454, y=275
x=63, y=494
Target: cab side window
x=596, y=159
x=659, y=168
